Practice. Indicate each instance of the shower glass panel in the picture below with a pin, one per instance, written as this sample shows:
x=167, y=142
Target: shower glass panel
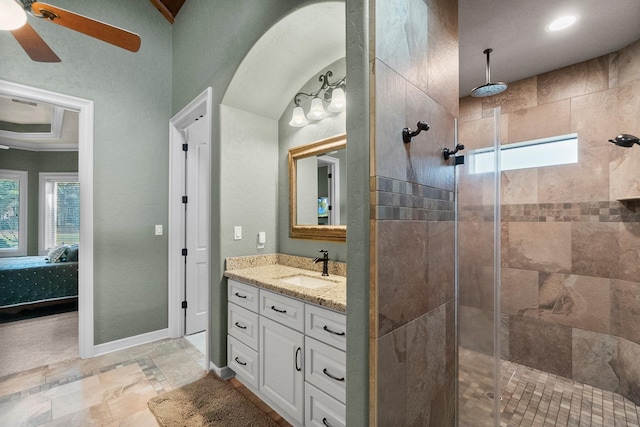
x=478, y=278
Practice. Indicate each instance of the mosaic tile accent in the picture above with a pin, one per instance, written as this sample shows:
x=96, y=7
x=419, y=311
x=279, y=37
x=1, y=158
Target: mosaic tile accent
x=535, y=398
x=392, y=199
x=148, y=367
x=607, y=211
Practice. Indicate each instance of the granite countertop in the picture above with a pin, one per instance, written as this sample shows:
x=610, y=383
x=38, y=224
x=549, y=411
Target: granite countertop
x=268, y=275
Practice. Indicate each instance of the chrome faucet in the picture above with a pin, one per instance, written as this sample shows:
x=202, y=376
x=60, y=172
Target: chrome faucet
x=325, y=262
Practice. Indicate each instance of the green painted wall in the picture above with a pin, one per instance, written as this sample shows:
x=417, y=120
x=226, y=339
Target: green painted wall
x=210, y=39
x=132, y=96
x=35, y=162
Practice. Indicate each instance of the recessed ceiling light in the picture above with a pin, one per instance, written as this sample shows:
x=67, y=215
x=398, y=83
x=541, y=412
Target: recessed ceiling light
x=562, y=23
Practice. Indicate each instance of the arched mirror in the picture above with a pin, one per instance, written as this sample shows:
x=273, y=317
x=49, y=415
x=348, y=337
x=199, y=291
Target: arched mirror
x=317, y=189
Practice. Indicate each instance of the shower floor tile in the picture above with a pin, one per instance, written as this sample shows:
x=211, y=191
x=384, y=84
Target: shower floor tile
x=535, y=398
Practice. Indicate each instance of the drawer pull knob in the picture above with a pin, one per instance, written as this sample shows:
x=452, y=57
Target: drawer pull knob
x=325, y=422
x=240, y=326
x=240, y=296
x=273, y=307
x=239, y=362
x=326, y=328
x=324, y=371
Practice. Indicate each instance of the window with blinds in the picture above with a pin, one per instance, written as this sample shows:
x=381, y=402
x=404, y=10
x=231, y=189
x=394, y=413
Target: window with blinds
x=13, y=212
x=60, y=210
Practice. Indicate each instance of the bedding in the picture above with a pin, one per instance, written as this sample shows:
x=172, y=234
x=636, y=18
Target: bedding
x=33, y=279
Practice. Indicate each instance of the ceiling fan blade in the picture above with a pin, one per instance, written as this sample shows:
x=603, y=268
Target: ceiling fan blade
x=33, y=44
x=99, y=30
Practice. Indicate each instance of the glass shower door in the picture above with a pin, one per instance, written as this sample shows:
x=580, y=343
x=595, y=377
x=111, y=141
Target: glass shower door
x=478, y=270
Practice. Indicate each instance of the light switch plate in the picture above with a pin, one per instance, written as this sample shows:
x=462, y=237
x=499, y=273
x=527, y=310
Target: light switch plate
x=158, y=229
x=237, y=232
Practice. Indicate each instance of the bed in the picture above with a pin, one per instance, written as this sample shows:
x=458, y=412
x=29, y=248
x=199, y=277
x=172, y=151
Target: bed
x=33, y=281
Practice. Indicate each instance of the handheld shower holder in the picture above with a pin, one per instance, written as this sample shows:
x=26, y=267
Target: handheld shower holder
x=407, y=134
x=446, y=153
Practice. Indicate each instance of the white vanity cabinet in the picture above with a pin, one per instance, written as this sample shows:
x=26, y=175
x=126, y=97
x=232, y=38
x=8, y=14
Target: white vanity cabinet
x=290, y=353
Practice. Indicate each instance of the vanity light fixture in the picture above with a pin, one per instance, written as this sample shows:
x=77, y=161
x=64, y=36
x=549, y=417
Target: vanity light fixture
x=331, y=93
x=12, y=16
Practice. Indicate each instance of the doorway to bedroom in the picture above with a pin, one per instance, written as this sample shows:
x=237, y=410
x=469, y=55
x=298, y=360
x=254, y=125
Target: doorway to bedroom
x=40, y=227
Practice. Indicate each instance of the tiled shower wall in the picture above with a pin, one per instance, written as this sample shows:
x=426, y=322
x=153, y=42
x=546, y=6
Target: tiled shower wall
x=570, y=297
x=414, y=77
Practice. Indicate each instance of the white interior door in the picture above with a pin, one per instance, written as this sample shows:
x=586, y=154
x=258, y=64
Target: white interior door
x=197, y=227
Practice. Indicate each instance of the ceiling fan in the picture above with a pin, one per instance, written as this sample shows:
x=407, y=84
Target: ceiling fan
x=37, y=48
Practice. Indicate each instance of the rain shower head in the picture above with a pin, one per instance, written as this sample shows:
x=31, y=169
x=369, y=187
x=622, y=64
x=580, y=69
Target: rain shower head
x=625, y=140
x=489, y=88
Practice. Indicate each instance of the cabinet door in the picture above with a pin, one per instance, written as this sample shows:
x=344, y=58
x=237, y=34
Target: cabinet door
x=243, y=325
x=281, y=367
x=325, y=368
x=244, y=295
x=325, y=325
x=320, y=410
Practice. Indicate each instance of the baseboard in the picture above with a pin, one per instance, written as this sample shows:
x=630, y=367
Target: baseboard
x=124, y=343
x=225, y=372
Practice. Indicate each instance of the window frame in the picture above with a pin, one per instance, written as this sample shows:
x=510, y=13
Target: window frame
x=506, y=148
x=43, y=214
x=23, y=178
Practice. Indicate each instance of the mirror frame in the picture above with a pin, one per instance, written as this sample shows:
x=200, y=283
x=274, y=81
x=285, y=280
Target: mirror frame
x=332, y=233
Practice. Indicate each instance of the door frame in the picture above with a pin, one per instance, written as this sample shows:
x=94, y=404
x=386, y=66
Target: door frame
x=201, y=108
x=85, y=110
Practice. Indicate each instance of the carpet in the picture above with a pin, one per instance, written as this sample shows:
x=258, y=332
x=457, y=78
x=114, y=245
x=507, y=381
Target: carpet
x=31, y=343
x=208, y=402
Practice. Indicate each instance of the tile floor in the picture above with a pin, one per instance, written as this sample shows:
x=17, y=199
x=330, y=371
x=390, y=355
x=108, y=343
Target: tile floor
x=535, y=398
x=110, y=390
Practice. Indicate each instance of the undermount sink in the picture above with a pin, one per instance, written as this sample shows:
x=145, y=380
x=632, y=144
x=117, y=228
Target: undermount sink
x=309, y=282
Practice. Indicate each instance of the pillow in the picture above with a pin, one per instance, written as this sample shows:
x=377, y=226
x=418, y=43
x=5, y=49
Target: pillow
x=72, y=253
x=57, y=253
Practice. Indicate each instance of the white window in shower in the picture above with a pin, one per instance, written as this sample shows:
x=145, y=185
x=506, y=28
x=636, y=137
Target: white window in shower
x=556, y=150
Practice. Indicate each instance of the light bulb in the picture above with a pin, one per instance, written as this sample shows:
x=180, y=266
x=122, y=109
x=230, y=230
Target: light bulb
x=316, y=112
x=338, y=101
x=298, y=119
x=12, y=16
x=561, y=23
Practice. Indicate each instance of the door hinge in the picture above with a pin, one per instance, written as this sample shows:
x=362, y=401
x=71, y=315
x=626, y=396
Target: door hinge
x=330, y=207
x=184, y=199
x=184, y=304
x=185, y=147
x=184, y=252
x=329, y=176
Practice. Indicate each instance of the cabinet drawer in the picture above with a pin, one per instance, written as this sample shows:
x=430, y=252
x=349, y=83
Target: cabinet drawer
x=321, y=410
x=326, y=326
x=282, y=309
x=243, y=360
x=325, y=368
x=243, y=325
x=245, y=296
